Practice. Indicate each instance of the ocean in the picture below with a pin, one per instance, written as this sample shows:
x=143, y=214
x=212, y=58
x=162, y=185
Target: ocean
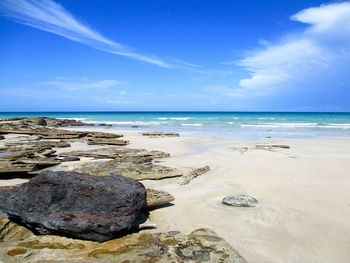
x=252, y=125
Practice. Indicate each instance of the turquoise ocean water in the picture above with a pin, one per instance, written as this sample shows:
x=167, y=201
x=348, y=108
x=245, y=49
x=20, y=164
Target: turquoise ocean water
x=230, y=124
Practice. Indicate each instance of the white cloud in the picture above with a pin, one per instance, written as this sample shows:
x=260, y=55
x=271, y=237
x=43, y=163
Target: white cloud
x=315, y=55
x=49, y=16
x=84, y=84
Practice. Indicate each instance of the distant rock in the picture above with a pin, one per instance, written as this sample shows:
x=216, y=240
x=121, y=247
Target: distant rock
x=2, y=137
x=240, y=201
x=42, y=122
x=103, y=141
x=70, y=159
x=157, y=198
x=76, y=205
x=161, y=134
x=104, y=125
x=271, y=146
x=103, y=135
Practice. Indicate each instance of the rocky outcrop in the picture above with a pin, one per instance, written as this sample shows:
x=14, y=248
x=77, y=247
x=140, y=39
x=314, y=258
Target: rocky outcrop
x=70, y=159
x=103, y=141
x=18, y=244
x=76, y=205
x=103, y=135
x=43, y=121
x=240, y=201
x=21, y=161
x=119, y=153
x=158, y=198
x=271, y=147
x=128, y=168
x=160, y=134
x=195, y=173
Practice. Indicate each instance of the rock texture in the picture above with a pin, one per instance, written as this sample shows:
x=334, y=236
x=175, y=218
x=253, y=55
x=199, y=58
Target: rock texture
x=119, y=153
x=158, y=198
x=103, y=141
x=19, y=161
x=18, y=244
x=160, y=134
x=128, y=168
x=43, y=121
x=271, y=147
x=76, y=205
x=195, y=173
x=240, y=201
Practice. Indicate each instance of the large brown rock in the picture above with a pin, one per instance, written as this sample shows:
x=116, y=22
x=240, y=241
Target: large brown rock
x=76, y=205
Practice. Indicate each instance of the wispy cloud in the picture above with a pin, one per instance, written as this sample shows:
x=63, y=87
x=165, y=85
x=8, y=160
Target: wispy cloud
x=50, y=16
x=84, y=84
x=316, y=56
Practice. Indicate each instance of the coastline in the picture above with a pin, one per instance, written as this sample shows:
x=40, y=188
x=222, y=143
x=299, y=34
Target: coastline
x=303, y=195
x=303, y=209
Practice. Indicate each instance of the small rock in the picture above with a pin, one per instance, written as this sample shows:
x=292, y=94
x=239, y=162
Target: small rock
x=271, y=146
x=157, y=197
x=2, y=137
x=240, y=201
x=161, y=134
x=195, y=173
x=42, y=122
x=104, y=125
x=70, y=159
x=104, y=141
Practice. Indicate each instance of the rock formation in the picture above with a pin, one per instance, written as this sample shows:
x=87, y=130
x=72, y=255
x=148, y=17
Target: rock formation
x=158, y=198
x=195, y=173
x=240, y=201
x=18, y=244
x=160, y=134
x=76, y=205
x=128, y=168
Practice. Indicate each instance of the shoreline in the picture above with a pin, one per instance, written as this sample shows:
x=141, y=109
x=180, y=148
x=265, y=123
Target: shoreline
x=302, y=192
x=303, y=209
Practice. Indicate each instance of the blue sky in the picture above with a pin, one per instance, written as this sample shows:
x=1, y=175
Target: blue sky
x=174, y=55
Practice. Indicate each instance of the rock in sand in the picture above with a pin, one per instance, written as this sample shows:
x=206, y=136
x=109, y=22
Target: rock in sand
x=240, y=201
x=76, y=205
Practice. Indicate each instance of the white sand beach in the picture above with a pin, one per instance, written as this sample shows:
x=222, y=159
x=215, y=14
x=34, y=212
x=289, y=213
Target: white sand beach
x=303, y=193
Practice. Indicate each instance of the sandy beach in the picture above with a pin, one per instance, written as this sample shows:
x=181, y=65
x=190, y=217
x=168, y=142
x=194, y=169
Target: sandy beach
x=303, y=209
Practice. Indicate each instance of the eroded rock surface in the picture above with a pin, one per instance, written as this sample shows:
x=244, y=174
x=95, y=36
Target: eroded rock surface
x=158, y=197
x=76, y=205
x=106, y=141
x=130, y=169
x=119, y=153
x=195, y=173
x=240, y=201
x=18, y=244
x=160, y=134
